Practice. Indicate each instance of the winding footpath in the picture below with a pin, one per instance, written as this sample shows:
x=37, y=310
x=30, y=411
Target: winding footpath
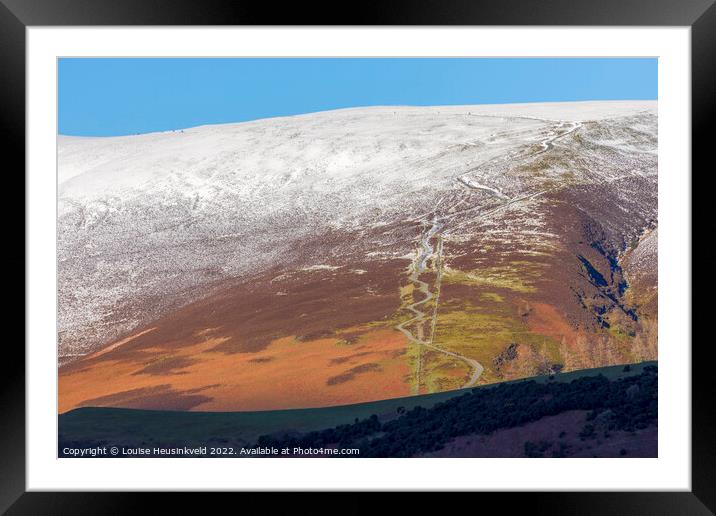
x=426, y=251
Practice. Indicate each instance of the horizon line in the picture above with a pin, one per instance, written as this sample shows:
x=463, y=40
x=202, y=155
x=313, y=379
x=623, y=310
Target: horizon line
x=365, y=106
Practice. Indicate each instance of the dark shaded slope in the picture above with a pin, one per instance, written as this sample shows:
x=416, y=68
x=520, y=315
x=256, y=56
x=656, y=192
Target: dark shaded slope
x=397, y=427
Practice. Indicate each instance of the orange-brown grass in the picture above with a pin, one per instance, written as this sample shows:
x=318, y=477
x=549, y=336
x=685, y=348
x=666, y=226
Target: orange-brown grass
x=120, y=342
x=545, y=319
x=287, y=373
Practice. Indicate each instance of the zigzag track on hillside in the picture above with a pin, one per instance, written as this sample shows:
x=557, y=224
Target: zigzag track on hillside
x=434, y=226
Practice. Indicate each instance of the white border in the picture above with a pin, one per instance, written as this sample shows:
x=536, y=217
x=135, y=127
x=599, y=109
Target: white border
x=670, y=471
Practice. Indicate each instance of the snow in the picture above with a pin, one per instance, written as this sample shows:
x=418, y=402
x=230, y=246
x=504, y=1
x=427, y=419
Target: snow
x=321, y=267
x=168, y=216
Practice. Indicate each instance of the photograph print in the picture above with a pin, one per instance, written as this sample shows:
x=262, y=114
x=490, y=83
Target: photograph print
x=357, y=257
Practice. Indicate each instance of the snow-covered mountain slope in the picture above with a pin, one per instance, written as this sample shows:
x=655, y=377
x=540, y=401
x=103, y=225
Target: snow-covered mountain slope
x=152, y=222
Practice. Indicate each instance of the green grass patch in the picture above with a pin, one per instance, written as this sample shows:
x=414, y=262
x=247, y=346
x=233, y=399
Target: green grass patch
x=492, y=277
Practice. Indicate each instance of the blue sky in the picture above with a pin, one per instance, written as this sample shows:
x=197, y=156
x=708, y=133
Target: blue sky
x=108, y=96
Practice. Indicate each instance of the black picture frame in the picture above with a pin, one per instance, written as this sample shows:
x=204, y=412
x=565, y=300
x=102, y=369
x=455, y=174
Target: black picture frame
x=16, y=15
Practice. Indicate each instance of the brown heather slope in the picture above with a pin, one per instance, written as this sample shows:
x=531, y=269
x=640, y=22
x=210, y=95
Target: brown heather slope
x=522, y=302
x=314, y=338
x=554, y=436
x=554, y=272
x=542, y=289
